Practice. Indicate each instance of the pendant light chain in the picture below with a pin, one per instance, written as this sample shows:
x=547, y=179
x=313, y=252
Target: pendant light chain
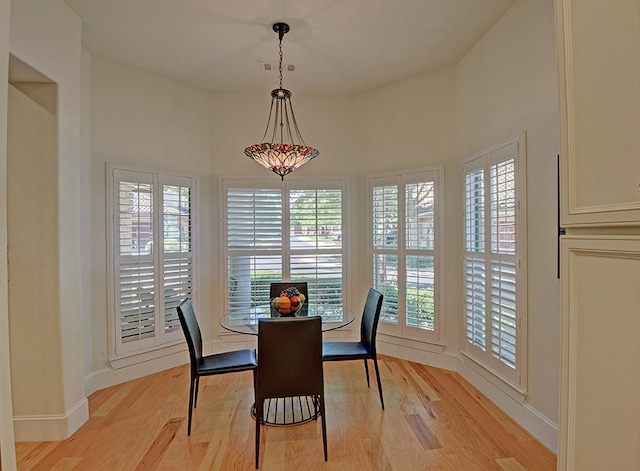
x=280, y=66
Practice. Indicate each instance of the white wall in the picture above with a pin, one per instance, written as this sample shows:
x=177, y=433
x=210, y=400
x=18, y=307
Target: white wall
x=45, y=34
x=33, y=255
x=7, y=449
x=507, y=84
x=143, y=120
x=409, y=125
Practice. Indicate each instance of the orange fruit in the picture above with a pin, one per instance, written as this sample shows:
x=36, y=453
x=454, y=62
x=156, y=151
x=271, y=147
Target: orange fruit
x=284, y=305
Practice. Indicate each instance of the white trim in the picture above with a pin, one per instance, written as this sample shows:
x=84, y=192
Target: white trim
x=533, y=421
x=108, y=377
x=419, y=352
x=44, y=428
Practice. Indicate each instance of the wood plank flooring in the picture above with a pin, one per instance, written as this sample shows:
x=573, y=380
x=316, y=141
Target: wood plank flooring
x=434, y=420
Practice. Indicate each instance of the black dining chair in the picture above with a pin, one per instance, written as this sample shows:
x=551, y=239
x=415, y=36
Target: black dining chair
x=277, y=288
x=289, y=365
x=215, y=364
x=365, y=349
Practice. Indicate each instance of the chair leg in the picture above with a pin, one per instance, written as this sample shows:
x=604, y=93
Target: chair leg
x=195, y=399
x=190, y=405
x=375, y=364
x=258, y=407
x=366, y=371
x=315, y=406
x=324, y=426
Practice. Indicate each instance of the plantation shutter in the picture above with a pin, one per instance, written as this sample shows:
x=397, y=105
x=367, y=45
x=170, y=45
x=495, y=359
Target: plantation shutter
x=404, y=212
x=254, y=218
x=475, y=261
x=177, y=252
x=315, y=240
x=152, y=257
x=493, y=221
x=385, y=207
x=292, y=231
x=503, y=261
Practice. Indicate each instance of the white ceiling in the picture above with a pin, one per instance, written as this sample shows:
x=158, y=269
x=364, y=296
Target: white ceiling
x=336, y=46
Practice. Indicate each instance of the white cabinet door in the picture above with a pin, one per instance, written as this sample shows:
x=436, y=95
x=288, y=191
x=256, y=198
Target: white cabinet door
x=600, y=358
x=599, y=69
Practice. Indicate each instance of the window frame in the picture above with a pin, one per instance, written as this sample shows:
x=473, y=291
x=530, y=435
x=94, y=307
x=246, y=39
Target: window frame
x=515, y=148
x=284, y=186
x=401, y=179
x=150, y=347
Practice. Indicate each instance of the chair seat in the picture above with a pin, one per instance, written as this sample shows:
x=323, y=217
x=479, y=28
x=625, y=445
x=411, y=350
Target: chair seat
x=228, y=362
x=339, y=351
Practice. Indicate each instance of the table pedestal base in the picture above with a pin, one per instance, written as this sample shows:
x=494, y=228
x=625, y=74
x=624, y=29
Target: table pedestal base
x=285, y=411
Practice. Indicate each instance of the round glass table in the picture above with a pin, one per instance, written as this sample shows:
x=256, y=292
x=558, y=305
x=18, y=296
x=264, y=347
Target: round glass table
x=247, y=323
x=297, y=410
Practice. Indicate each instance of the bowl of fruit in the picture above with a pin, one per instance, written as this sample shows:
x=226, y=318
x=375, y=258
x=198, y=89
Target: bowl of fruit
x=289, y=302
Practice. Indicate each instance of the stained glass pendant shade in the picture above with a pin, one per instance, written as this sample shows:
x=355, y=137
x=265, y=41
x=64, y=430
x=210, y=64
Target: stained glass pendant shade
x=287, y=150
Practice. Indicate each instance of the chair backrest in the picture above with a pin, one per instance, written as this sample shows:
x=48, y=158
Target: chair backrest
x=277, y=288
x=289, y=357
x=191, y=331
x=370, y=318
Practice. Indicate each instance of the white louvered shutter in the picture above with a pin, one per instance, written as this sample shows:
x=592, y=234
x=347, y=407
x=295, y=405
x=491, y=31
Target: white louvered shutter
x=315, y=242
x=292, y=231
x=254, y=218
x=150, y=211
x=494, y=304
x=405, y=234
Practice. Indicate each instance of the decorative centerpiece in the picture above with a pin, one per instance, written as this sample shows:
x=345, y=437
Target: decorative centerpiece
x=289, y=302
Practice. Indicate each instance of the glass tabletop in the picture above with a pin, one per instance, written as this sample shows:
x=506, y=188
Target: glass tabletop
x=332, y=318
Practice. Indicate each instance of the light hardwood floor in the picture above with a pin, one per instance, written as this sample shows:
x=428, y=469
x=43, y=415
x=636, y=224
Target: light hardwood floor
x=434, y=420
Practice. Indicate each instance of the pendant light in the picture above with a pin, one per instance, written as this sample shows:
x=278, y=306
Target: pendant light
x=286, y=151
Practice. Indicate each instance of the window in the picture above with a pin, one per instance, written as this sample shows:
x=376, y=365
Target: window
x=288, y=231
x=405, y=252
x=152, y=250
x=494, y=216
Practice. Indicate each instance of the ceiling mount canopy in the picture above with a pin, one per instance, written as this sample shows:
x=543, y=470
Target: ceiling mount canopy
x=286, y=151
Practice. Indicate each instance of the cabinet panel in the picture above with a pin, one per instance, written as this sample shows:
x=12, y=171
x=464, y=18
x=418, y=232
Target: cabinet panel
x=599, y=66
x=600, y=332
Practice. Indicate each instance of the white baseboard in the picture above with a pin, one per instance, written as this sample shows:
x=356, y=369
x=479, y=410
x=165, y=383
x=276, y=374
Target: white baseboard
x=45, y=428
x=532, y=420
x=107, y=377
x=439, y=360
